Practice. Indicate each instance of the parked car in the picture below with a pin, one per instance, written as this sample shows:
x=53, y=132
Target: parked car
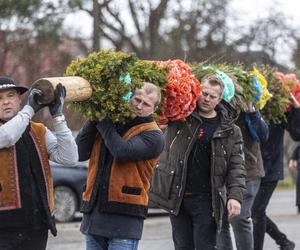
x=68, y=185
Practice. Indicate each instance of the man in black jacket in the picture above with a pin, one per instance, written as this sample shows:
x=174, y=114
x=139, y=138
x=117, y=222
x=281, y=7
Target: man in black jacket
x=201, y=171
x=254, y=130
x=272, y=154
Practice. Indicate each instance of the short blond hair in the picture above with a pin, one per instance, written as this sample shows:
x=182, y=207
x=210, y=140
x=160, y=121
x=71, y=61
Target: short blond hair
x=214, y=81
x=150, y=88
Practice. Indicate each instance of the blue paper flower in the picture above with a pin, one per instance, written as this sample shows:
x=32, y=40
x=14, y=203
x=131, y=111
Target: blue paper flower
x=127, y=80
x=229, y=88
x=258, y=89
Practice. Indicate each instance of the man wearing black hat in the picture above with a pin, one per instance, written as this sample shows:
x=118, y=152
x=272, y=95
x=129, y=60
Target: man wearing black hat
x=26, y=187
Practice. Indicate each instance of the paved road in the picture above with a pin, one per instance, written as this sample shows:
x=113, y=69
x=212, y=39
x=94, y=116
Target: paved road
x=157, y=230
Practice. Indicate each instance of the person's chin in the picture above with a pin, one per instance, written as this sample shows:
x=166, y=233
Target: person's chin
x=204, y=109
x=8, y=116
x=5, y=118
x=140, y=115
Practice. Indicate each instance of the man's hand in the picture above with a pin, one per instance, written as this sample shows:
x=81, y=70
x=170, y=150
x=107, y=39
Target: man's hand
x=33, y=97
x=100, y=119
x=294, y=101
x=250, y=107
x=56, y=108
x=292, y=164
x=233, y=207
x=163, y=126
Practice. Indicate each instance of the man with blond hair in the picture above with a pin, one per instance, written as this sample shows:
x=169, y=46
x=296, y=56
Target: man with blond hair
x=122, y=157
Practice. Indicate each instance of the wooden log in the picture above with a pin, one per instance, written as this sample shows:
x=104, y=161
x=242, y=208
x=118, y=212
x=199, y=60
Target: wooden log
x=78, y=89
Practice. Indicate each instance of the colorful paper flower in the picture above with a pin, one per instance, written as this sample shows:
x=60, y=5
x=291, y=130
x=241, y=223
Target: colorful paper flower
x=290, y=84
x=181, y=93
x=265, y=96
x=229, y=89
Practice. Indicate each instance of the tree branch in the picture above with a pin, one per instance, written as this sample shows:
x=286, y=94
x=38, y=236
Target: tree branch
x=116, y=17
x=79, y=5
x=121, y=34
x=116, y=43
x=154, y=21
x=136, y=23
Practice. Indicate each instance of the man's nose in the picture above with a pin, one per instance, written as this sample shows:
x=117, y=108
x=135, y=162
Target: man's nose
x=139, y=106
x=5, y=100
x=206, y=98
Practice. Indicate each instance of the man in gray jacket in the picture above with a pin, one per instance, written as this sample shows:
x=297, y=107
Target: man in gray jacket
x=201, y=171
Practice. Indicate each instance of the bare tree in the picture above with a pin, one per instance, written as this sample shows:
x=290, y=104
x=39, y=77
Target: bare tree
x=192, y=30
x=296, y=54
x=33, y=46
x=144, y=16
x=268, y=34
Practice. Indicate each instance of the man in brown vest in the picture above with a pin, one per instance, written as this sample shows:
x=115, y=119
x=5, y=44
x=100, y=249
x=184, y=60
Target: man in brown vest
x=26, y=186
x=122, y=159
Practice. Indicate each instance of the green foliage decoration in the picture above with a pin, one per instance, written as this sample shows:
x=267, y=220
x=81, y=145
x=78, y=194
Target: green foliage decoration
x=103, y=70
x=275, y=108
x=148, y=71
x=241, y=78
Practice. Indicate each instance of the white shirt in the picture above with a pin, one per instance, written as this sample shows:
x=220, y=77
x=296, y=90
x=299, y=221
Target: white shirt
x=61, y=146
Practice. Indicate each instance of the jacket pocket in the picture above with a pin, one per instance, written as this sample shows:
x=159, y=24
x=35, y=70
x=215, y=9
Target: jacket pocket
x=161, y=183
x=222, y=201
x=220, y=166
x=131, y=190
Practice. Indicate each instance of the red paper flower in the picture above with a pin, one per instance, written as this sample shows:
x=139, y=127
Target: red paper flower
x=181, y=93
x=290, y=84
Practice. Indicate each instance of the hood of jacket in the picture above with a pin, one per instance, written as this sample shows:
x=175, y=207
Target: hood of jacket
x=228, y=115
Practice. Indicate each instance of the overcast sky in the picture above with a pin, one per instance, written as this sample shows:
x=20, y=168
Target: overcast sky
x=245, y=10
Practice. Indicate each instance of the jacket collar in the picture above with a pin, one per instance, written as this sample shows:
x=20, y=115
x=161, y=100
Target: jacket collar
x=226, y=113
x=123, y=128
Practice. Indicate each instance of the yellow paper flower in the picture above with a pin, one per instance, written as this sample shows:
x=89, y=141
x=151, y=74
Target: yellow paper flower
x=266, y=95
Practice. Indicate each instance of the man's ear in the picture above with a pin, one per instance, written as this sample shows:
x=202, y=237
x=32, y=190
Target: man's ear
x=20, y=99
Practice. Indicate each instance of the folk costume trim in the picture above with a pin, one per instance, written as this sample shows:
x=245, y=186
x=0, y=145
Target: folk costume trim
x=40, y=144
x=138, y=179
x=9, y=179
x=10, y=194
x=121, y=174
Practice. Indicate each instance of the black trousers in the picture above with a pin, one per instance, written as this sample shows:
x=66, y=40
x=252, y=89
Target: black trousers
x=298, y=196
x=274, y=232
x=259, y=217
x=24, y=240
x=194, y=227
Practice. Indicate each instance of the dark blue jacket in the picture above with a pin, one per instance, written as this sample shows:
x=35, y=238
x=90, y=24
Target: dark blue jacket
x=272, y=150
x=257, y=127
x=254, y=131
x=296, y=157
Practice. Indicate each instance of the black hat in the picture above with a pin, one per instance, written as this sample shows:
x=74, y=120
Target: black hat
x=7, y=83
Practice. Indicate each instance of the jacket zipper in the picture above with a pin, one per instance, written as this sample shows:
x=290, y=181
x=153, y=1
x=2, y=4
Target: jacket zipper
x=185, y=160
x=215, y=193
x=212, y=178
x=178, y=132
